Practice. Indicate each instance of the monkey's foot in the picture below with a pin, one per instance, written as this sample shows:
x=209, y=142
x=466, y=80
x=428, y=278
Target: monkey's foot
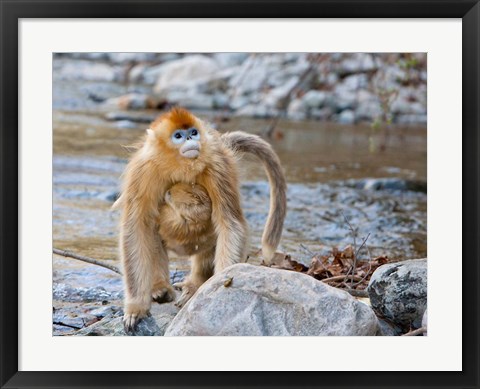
x=188, y=289
x=164, y=294
x=132, y=317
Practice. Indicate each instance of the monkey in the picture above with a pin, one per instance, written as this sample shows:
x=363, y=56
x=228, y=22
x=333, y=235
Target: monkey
x=180, y=148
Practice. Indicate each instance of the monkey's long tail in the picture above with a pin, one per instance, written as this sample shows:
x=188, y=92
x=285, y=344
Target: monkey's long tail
x=247, y=143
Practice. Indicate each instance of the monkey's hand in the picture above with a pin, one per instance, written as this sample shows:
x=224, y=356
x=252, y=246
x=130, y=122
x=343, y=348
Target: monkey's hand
x=188, y=288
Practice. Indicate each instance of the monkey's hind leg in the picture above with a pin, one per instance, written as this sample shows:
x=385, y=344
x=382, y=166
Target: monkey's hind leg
x=201, y=271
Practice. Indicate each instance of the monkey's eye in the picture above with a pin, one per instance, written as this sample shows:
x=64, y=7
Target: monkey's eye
x=194, y=134
x=178, y=137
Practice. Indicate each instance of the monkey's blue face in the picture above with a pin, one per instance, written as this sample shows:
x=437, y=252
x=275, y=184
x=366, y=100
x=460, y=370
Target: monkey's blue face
x=189, y=141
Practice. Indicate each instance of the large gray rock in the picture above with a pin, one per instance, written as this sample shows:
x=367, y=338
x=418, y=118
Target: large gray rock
x=265, y=301
x=398, y=292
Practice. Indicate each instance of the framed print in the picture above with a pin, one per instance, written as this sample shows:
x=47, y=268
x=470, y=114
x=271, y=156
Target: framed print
x=150, y=149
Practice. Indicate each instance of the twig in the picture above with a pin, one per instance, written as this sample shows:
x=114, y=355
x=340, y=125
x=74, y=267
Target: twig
x=357, y=293
x=309, y=252
x=361, y=246
x=341, y=278
x=416, y=332
x=92, y=261
x=355, y=256
x=353, y=230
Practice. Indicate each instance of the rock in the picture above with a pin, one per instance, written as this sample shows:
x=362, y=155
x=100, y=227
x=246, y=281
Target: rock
x=214, y=83
x=227, y=60
x=400, y=106
x=155, y=325
x=355, y=82
x=89, y=71
x=91, y=56
x=132, y=101
x=64, y=317
x=191, y=68
x=278, y=97
x=390, y=183
x=343, y=99
x=398, y=292
x=314, y=99
x=123, y=58
x=321, y=113
x=136, y=73
x=411, y=119
x=296, y=110
x=125, y=124
x=251, y=76
x=387, y=329
x=257, y=111
x=139, y=117
x=368, y=110
x=64, y=292
x=346, y=117
x=425, y=321
x=238, y=102
x=357, y=63
x=265, y=301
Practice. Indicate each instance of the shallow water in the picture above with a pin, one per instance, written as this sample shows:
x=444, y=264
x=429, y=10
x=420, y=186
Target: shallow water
x=319, y=160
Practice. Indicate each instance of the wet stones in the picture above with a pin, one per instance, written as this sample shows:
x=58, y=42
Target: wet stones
x=398, y=292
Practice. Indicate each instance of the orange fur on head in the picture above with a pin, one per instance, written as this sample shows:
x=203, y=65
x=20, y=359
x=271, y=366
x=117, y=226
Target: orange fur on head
x=175, y=119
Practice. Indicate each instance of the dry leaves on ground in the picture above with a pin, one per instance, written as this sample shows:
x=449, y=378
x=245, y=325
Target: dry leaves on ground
x=338, y=269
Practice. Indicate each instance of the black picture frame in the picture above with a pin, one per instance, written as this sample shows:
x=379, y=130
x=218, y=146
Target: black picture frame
x=12, y=11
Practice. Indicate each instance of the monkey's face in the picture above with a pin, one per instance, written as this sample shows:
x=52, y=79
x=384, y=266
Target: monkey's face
x=187, y=141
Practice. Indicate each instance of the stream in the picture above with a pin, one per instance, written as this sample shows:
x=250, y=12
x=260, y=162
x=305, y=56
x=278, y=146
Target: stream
x=374, y=178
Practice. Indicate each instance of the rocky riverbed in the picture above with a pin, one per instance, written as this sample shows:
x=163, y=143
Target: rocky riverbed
x=376, y=178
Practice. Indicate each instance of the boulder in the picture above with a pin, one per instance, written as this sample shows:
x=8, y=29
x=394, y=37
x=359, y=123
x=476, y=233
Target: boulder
x=132, y=101
x=314, y=98
x=346, y=117
x=296, y=110
x=398, y=292
x=248, y=300
x=226, y=60
x=191, y=68
x=278, y=97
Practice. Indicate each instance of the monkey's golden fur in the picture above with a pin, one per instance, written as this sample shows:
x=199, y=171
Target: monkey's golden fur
x=185, y=221
x=151, y=220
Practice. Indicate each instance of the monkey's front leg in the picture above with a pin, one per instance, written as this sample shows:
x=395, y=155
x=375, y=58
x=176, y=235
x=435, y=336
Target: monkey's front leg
x=162, y=291
x=145, y=265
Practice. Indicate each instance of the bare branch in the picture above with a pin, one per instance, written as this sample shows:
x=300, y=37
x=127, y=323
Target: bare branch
x=341, y=278
x=92, y=261
x=357, y=292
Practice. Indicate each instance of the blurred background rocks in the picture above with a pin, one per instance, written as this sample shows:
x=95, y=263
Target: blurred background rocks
x=377, y=88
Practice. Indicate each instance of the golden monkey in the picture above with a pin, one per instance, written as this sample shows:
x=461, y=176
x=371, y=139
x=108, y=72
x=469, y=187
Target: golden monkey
x=179, y=148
